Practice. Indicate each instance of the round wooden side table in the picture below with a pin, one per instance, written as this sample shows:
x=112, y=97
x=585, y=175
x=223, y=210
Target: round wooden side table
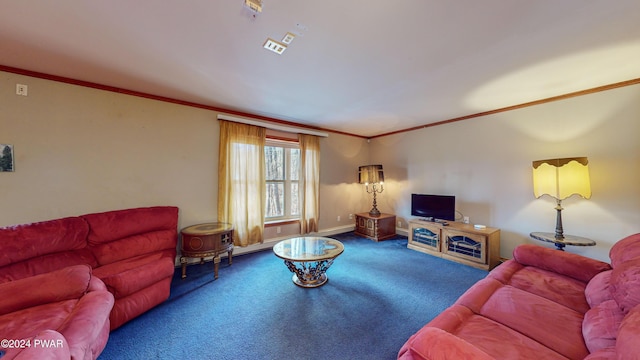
x=205, y=240
x=561, y=243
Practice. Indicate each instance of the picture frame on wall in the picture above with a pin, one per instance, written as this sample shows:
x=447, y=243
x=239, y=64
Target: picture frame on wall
x=6, y=158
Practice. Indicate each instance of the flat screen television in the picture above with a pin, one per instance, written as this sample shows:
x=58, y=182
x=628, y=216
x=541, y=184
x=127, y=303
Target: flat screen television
x=440, y=207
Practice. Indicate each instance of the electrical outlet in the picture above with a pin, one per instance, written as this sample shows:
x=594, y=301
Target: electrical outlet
x=21, y=89
x=350, y=216
x=338, y=217
x=399, y=223
x=278, y=230
x=465, y=219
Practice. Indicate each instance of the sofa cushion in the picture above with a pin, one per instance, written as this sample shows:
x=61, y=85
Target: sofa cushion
x=600, y=325
x=112, y=225
x=47, y=263
x=625, y=250
x=627, y=344
x=68, y=283
x=29, y=321
x=125, y=277
x=554, y=286
x=135, y=245
x=491, y=337
x=598, y=289
x=603, y=354
x=129, y=307
x=27, y=241
x=530, y=315
x=421, y=346
x=625, y=284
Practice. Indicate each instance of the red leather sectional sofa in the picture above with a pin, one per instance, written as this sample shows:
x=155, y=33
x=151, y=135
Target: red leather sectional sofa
x=72, y=280
x=542, y=304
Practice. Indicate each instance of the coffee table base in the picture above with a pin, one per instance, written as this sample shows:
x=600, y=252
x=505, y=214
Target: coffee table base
x=309, y=274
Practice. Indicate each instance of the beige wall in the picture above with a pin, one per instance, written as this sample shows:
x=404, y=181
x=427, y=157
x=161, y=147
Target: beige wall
x=81, y=150
x=486, y=163
x=340, y=195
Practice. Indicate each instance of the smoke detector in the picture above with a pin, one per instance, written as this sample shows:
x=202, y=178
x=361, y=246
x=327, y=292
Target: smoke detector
x=255, y=5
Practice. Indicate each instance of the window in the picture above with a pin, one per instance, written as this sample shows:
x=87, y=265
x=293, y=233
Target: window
x=282, y=174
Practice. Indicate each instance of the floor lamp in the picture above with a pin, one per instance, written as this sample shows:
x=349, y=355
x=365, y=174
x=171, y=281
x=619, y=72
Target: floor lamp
x=560, y=179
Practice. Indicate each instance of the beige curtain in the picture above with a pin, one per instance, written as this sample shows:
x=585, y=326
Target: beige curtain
x=241, y=184
x=309, y=187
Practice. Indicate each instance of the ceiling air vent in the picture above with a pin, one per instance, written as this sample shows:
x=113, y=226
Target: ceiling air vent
x=276, y=47
x=255, y=5
x=288, y=38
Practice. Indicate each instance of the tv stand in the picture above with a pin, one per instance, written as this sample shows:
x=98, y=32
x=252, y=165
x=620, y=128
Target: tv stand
x=456, y=241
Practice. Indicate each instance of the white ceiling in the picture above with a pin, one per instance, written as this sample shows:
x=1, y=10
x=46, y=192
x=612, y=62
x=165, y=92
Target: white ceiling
x=364, y=67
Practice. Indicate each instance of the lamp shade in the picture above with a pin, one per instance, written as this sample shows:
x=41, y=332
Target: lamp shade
x=370, y=174
x=561, y=178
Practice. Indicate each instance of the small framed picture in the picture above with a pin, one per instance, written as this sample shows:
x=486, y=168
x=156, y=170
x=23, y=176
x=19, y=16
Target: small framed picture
x=6, y=158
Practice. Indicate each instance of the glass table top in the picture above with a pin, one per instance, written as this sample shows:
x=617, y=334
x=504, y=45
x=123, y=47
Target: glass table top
x=308, y=248
x=568, y=239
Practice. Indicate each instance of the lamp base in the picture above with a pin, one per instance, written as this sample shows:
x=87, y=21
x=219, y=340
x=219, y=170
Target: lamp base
x=559, y=230
x=374, y=212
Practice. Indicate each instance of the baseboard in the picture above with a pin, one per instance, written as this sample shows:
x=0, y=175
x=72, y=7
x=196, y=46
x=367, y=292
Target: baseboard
x=401, y=231
x=336, y=230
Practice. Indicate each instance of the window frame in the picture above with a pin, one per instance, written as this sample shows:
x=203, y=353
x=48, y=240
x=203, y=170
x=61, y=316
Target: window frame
x=287, y=145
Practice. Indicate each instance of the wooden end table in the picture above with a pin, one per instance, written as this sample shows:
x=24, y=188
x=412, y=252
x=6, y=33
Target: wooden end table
x=377, y=228
x=205, y=240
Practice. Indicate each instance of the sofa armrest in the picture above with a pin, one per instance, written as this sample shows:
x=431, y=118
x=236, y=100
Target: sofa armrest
x=573, y=265
x=432, y=343
x=88, y=323
x=48, y=344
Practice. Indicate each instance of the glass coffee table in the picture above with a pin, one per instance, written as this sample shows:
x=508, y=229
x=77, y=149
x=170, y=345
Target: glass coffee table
x=308, y=258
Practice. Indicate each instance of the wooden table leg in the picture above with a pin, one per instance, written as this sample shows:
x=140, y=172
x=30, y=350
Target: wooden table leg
x=183, y=262
x=216, y=265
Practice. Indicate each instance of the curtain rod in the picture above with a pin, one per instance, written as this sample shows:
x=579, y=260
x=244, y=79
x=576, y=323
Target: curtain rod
x=273, y=126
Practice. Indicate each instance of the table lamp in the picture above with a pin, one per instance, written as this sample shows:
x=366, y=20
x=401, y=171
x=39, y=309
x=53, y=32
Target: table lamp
x=560, y=179
x=372, y=174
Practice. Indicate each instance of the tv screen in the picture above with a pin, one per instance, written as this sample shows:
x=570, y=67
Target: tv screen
x=441, y=207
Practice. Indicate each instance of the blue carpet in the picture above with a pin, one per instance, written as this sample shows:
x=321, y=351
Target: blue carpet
x=377, y=296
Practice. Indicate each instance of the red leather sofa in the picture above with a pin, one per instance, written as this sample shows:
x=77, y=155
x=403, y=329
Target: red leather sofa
x=542, y=304
x=126, y=259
